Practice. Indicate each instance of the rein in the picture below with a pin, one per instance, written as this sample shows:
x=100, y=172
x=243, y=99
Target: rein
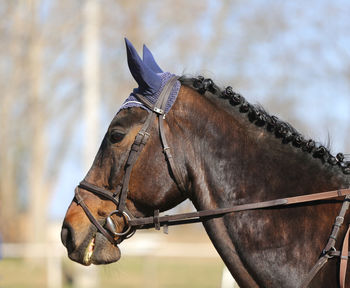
x=199, y=216
x=131, y=223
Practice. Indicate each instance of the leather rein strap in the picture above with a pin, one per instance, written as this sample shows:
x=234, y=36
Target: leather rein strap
x=131, y=223
x=199, y=216
x=202, y=215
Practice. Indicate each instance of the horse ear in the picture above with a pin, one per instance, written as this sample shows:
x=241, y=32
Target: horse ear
x=149, y=82
x=148, y=59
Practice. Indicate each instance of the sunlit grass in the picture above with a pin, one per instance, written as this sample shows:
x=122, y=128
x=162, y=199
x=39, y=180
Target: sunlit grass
x=18, y=273
x=129, y=272
x=163, y=272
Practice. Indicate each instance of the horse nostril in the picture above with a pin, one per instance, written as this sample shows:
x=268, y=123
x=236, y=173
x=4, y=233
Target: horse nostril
x=64, y=235
x=67, y=237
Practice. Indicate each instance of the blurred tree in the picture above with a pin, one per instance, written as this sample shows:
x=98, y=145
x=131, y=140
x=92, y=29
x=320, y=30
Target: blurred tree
x=8, y=151
x=37, y=146
x=35, y=84
x=292, y=57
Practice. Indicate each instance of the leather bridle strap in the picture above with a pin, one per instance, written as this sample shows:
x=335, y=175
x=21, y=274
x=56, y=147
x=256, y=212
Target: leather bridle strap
x=160, y=110
x=329, y=251
x=174, y=168
x=199, y=216
x=136, y=148
x=97, y=224
x=99, y=191
x=344, y=259
x=157, y=110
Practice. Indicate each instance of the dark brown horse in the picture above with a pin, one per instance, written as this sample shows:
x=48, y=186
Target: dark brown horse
x=228, y=152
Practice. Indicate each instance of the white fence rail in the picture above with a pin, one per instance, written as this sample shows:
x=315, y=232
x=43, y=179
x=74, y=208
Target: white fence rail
x=147, y=244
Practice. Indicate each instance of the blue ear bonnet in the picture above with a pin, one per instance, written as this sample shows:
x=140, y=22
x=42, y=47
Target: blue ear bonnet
x=132, y=100
x=150, y=78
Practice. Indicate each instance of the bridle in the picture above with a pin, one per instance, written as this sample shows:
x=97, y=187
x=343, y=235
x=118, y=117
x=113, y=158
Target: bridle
x=131, y=223
x=120, y=195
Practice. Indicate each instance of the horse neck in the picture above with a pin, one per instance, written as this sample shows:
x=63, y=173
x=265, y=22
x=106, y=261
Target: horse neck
x=232, y=161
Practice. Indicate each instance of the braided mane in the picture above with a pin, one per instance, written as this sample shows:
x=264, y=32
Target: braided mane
x=258, y=116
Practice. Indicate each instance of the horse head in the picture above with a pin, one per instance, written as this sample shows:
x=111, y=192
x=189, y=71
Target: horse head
x=151, y=186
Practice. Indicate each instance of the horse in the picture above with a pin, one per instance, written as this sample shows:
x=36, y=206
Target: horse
x=210, y=145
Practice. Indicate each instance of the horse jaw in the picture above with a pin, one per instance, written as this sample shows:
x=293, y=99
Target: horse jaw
x=96, y=250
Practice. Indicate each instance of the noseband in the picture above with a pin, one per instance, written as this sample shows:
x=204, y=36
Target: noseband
x=109, y=229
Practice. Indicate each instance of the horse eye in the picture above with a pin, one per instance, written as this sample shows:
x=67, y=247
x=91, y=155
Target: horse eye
x=116, y=136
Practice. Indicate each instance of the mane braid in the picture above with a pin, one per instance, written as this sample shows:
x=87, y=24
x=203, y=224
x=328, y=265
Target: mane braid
x=261, y=118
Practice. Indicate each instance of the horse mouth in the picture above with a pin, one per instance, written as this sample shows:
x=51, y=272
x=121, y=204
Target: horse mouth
x=96, y=250
x=89, y=252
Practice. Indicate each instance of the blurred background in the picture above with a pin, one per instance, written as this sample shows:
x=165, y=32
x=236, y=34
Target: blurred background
x=63, y=75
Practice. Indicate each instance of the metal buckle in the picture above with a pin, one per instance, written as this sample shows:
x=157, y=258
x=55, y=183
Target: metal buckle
x=158, y=110
x=111, y=226
x=328, y=253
